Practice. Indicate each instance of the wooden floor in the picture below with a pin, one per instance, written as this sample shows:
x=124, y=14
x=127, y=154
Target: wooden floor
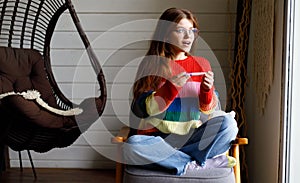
x=14, y=175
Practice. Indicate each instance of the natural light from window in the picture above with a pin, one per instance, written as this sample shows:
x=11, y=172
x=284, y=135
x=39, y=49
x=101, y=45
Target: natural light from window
x=291, y=117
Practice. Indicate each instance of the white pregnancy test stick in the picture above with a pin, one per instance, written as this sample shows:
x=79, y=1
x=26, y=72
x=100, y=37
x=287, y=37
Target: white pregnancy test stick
x=196, y=73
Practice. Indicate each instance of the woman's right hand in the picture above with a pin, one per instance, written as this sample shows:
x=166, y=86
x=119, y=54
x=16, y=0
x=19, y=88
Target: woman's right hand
x=180, y=79
x=208, y=81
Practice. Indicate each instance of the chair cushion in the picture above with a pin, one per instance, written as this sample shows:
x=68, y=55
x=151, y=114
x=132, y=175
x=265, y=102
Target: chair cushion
x=134, y=174
x=22, y=110
x=23, y=69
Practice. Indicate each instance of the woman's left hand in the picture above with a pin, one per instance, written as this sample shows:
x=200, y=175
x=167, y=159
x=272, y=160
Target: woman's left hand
x=180, y=79
x=208, y=81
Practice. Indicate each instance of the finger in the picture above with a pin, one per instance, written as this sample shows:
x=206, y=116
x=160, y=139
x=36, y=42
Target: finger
x=208, y=83
x=207, y=86
x=182, y=74
x=180, y=79
x=208, y=79
x=209, y=74
x=179, y=75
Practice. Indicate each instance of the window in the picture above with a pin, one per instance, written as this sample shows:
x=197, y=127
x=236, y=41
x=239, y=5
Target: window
x=291, y=98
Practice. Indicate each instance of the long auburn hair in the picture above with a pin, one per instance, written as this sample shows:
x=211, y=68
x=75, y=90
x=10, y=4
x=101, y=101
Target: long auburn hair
x=154, y=67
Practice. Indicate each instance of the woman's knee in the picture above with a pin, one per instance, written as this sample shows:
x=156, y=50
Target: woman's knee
x=143, y=139
x=229, y=125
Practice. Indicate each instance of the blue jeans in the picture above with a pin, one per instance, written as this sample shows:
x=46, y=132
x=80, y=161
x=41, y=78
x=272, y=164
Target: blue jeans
x=173, y=152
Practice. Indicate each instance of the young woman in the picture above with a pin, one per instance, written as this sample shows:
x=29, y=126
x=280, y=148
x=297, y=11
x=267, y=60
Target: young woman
x=173, y=92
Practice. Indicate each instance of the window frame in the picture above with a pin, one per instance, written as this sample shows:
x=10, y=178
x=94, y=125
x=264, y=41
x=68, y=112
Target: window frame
x=290, y=95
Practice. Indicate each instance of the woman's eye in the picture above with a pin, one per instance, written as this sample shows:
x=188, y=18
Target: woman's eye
x=191, y=31
x=194, y=30
x=180, y=30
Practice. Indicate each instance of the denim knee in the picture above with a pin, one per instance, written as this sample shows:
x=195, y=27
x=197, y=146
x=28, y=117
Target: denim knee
x=229, y=127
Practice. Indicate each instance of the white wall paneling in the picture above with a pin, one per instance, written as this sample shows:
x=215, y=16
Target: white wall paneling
x=119, y=31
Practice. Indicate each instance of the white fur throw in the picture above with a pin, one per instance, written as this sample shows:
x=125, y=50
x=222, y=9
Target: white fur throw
x=221, y=113
x=35, y=95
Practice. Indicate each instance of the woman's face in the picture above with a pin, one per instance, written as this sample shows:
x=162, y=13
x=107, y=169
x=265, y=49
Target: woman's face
x=183, y=35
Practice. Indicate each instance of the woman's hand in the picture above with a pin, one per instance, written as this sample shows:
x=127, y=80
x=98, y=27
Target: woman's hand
x=180, y=79
x=208, y=81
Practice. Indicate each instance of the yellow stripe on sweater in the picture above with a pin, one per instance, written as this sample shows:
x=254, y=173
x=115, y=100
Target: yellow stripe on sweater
x=152, y=105
x=165, y=126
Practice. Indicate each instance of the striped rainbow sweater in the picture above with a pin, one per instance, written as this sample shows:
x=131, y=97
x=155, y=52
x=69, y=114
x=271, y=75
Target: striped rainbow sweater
x=170, y=109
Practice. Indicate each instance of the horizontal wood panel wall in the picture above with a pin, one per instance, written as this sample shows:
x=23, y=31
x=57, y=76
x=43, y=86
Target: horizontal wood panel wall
x=119, y=31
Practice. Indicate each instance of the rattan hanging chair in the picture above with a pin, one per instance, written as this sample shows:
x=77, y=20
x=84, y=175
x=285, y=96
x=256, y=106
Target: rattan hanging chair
x=26, y=29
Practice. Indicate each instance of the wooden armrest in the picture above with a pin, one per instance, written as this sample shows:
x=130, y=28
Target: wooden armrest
x=122, y=135
x=240, y=141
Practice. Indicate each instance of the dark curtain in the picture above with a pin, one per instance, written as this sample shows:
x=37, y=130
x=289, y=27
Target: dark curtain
x=238, y=75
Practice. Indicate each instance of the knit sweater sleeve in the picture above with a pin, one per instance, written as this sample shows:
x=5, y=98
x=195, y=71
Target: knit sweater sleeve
x=207, y=98
x=154, y=102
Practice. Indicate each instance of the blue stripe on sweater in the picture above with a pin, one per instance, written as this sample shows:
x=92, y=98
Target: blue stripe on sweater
x=183, y=109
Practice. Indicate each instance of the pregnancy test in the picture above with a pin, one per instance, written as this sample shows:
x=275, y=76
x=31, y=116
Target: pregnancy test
x=196, y=73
